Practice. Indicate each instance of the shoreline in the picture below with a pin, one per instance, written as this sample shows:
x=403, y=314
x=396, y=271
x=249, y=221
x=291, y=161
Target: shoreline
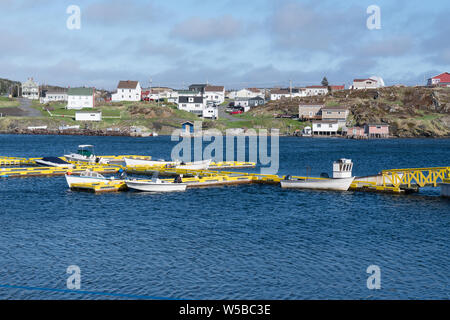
x=103, y=133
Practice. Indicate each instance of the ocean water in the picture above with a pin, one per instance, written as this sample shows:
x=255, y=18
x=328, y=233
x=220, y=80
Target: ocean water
x=235, y=242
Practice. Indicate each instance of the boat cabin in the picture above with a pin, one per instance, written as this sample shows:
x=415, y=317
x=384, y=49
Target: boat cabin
x=86, y=150
x=342, y=169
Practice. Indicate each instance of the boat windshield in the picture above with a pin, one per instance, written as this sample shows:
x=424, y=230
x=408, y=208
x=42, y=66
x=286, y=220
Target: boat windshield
x=86, y=150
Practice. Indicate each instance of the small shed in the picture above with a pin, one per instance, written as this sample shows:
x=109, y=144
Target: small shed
x=187, y=127
x=88, y=116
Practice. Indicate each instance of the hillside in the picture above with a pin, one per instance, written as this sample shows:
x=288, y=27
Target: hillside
x=411, y=112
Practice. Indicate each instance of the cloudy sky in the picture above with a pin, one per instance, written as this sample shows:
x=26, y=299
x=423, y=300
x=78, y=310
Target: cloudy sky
x=236, y=43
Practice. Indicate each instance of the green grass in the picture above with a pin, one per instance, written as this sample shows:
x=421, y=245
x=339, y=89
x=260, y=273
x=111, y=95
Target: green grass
x=6, y=102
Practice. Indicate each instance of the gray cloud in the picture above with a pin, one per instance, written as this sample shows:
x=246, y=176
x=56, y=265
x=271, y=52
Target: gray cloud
x=394, y=46
x=198, y=29
x=296, y=26
x=113, y=12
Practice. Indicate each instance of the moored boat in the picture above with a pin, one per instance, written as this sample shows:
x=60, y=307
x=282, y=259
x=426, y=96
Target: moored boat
x=86, y=177
x=155, y=185
x=53, y=162
x=196, y=165
x=84, y=154
x=341, y=181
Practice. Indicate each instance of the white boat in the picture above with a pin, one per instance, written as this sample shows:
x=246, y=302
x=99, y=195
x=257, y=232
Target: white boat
x=155, y=185
x=139, y=162
x=341, y=181
x=85, y=153
x=196, y=165
x=53, y=162
x=326, y=184
x=86, y=177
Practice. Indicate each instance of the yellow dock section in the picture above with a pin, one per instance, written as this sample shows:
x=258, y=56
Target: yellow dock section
x=100, y=187
x=14, y=161
x=53, y=171
x=413, y=178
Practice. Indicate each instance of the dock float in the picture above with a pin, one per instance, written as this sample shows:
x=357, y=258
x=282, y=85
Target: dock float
x=100, y=187
x=53, y=171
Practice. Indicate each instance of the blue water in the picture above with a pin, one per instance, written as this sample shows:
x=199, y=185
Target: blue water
x=240, y=242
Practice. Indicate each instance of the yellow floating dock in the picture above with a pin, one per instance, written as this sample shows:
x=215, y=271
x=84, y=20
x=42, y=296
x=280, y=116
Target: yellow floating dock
x=100, y=187
x=53, y=171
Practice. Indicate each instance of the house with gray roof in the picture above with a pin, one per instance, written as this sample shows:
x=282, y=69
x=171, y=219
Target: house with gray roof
x=30, y=89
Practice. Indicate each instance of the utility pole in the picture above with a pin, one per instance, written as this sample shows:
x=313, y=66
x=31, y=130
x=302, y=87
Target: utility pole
x=290, y=88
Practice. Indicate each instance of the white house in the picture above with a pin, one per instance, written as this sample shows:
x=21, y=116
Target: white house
x=215, y=94
x=316, y=91
x=79, y=98
x=325, y=128
x=53, y=95
x=278, y=94
x=370, y=83
x=211, y=112
x=194, y=104
x=88, y=116
x=246, y=93
x=30, y=89
x=127, y=91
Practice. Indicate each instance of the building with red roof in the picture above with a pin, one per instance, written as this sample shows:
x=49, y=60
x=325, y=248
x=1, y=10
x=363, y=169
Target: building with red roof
x=442, y=80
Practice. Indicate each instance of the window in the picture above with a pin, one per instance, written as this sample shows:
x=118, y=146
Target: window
x=319, y=125
x=330, y=126
x=191, y=99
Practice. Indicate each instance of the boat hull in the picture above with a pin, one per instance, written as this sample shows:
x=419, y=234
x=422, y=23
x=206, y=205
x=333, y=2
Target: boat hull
x=197, y=165
x=156, y=187
x=70, y=179
x=325, y=184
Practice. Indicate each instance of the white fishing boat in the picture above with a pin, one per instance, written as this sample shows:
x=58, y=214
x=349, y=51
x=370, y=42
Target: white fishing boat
x=196, y=165
x=84, y=154
x=155, y=185
x=341, y=181
x=86, y=177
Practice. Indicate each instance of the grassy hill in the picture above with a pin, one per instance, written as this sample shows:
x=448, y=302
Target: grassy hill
x=411, y=112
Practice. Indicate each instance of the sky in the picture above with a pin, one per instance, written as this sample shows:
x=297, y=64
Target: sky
x=255, y=43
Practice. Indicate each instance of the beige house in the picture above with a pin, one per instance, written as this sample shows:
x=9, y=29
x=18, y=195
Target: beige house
x=336, y=113
x=310, y=111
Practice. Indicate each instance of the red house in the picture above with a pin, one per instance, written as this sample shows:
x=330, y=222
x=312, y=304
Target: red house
x=377, y=130
x=442, y=80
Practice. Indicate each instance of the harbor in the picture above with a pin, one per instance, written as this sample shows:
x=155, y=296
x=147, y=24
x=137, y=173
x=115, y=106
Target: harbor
x=210, y=174
x=235, y=225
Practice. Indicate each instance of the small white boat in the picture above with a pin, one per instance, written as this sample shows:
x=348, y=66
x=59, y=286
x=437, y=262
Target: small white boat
x=341, y=181
x=54, y=162
x=155, y=185
x=196, y=165
x=85, y=154
x=139, y=162
x=86, y=177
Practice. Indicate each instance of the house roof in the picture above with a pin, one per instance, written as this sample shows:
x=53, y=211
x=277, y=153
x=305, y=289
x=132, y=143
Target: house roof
x=443, y=77
x=214, y=88
x=80, y=91
x=127, y=84
x=364, y=80
x=335, y=108
x=325, y=121
x=185, y=99
x=338, y=87
x=255, y=90
x=279, y=91
x=312, y=105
